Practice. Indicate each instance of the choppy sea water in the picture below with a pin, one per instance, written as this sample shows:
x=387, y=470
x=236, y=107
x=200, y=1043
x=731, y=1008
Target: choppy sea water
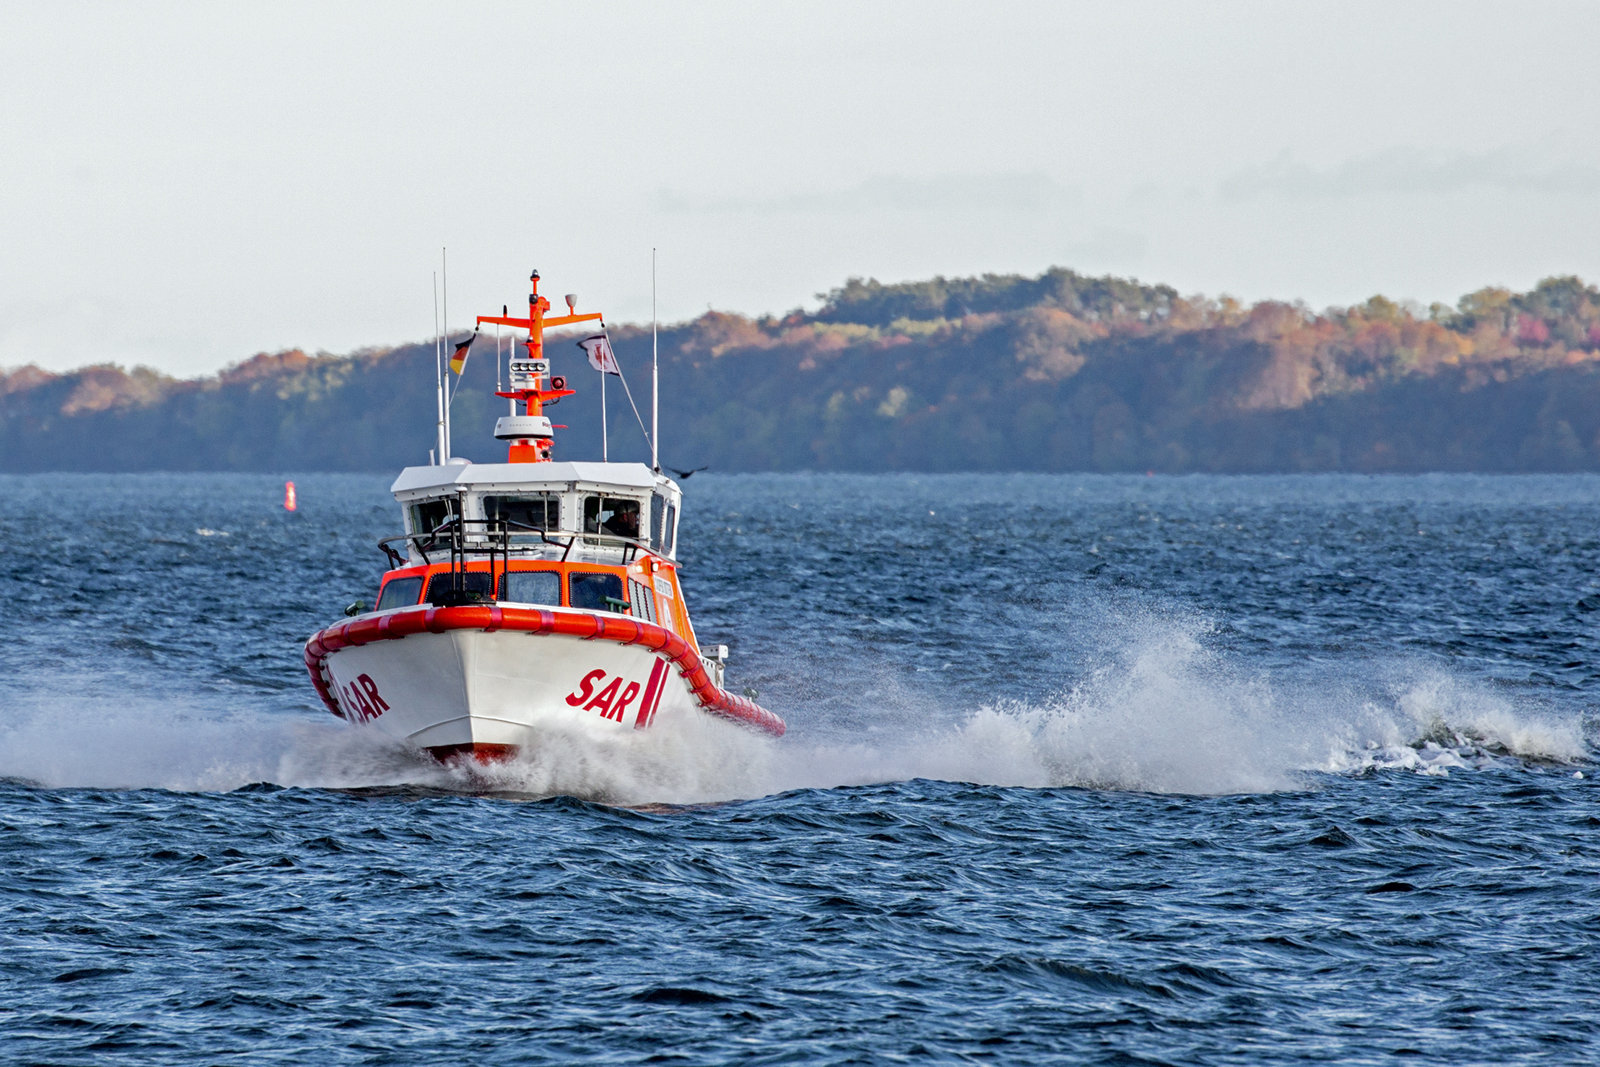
x=1080, y=769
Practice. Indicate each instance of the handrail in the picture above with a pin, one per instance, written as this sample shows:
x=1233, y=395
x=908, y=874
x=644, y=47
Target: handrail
x=461, y=541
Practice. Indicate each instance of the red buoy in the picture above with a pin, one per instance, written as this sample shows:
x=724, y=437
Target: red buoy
x=288, y=496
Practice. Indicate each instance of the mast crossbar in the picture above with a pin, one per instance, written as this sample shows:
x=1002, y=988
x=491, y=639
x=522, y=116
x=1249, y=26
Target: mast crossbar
x=525, y=324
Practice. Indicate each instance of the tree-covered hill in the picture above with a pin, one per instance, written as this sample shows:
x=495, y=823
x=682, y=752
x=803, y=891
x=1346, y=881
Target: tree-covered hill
x=1056, y=372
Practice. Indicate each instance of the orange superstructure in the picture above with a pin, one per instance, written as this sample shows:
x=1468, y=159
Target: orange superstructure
x=636, y=575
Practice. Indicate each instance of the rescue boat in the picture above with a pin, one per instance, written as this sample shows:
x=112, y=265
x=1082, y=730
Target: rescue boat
x=528, y=597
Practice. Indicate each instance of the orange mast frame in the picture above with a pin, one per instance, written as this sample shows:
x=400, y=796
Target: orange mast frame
x=543, y=388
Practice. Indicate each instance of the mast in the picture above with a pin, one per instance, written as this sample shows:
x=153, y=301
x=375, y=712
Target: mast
x=655, y=375
x=530, y=380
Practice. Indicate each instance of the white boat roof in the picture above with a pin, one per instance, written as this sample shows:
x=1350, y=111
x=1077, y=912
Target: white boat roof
x=528, y=475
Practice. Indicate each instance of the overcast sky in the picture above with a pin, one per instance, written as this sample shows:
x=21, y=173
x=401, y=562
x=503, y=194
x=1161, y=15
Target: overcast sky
x=185, y=185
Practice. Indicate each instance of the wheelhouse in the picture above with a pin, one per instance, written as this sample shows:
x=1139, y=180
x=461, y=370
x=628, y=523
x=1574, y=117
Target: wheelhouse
x=582, y=509
x=598, y=537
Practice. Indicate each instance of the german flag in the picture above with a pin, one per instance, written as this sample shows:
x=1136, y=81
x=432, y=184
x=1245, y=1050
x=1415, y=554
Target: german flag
x=458, y=362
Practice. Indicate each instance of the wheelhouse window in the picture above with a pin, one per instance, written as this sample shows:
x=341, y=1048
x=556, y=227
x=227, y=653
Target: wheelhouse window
x=473, y=584
x=532, y=587
x=399, y=593
x=658, y=513
x=596, y=591
x=669, y=533
x=617, y=516
x=524, y=513
x=428, y=515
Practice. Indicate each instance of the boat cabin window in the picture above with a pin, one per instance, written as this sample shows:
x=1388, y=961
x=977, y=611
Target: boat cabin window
x=524, y=512
x=596, y=591
x=617, y=516
x=658, y=512
x=532, y=587
x=428, y=515
x=444, y=582
x=669, y=532
x=399, y=593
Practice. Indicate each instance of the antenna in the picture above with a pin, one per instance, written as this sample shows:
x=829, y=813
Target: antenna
x=438, y=366
x=655, y=375
x=444, y=263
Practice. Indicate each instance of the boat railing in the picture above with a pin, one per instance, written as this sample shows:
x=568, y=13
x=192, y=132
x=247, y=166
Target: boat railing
x=464, y=539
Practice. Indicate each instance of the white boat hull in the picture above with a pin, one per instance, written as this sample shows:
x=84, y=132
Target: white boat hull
x=468, y=690
x=486, y=682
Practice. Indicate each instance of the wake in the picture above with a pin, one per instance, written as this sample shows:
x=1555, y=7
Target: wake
x=1161, y=712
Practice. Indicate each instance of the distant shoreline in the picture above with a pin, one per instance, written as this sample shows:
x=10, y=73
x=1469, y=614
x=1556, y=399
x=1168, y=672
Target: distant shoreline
x=1057, y=372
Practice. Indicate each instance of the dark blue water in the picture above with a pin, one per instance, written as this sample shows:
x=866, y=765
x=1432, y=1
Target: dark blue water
x=1080, y=769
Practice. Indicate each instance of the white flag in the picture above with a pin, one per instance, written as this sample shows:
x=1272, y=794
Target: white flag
x=601, y=358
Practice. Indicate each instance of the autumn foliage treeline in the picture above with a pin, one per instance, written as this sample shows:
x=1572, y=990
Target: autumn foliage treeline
x=1057, y=372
